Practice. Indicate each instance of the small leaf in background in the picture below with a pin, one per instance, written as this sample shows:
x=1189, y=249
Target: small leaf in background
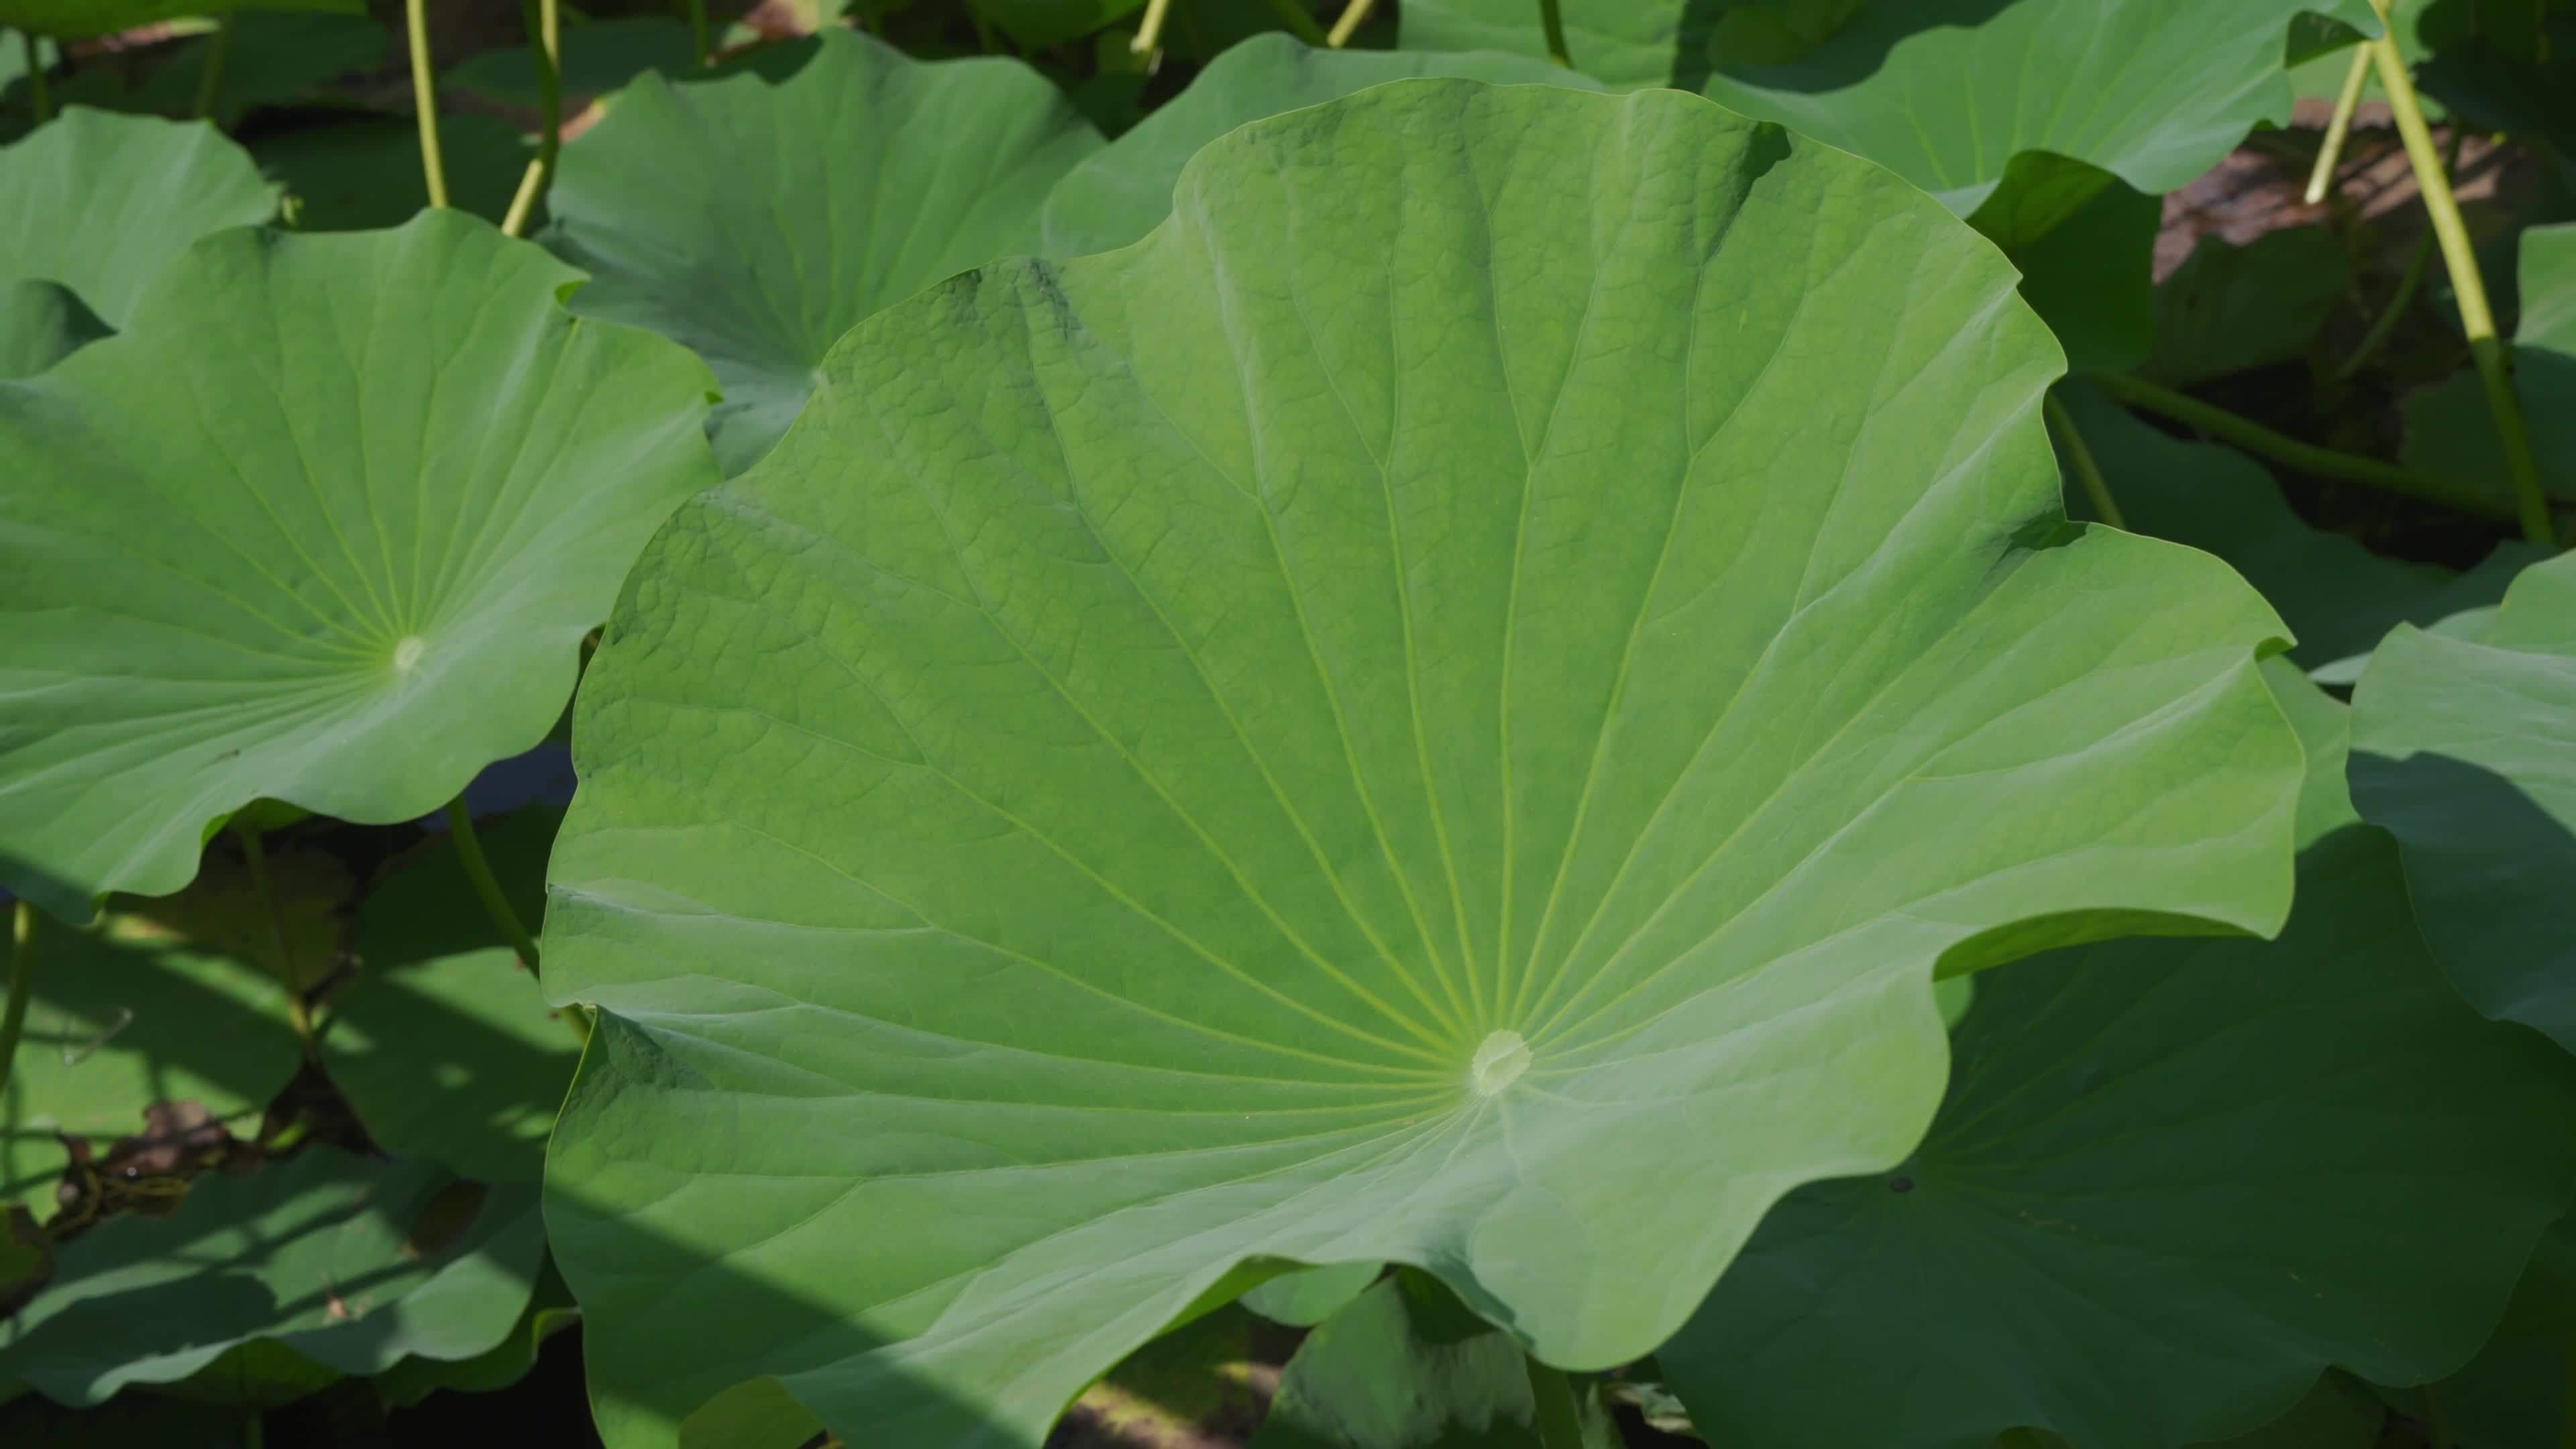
x=2449, y=431
x=1406, y=1366
x=358, y=175
x=75, y=19
x=550, y=1311
x=327, y=523
x=443, y=1044
x=2465, y=750
x=101, y=203
x=2230, y=309
x=306, y=1254
x=755, y=220
x=2172, y=1183
x=599, y=56
x=1100, y=792
x=270, y=59
x=1310, y=1295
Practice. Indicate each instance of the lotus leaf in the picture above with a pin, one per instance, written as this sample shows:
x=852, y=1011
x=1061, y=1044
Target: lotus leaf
x=101, y=202
x=757, y=219
x=41, y=323
x=2449, y=431
x=73, y=19
x=326, y=523
x=1337, y=734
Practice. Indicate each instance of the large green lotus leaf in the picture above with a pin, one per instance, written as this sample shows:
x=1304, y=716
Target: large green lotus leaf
x=2338, y=597
x=2231, y=308
x=327, y=523
x=1516, y=630
x=41, y=323
x=444, y=1044
x=2449, y=431
x=1406, y=1366
x=1119, y=193
x=351, y=1264
x=756, y=220
x=2466, y=751
x=2173, y=1181
x=127, y=1014
x=77, y=18
x=102, y=202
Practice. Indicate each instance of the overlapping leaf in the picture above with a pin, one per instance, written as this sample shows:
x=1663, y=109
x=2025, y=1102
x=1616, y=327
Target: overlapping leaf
x=326, y=524
x=2465, y=749
x=813, y=201
x=2172, y=1183
x=1514, y=631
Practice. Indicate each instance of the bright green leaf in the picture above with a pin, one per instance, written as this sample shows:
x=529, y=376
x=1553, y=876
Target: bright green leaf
x=1516, y=624
x=444, y=1045
x=102, y=203
x=2173, y=1182
x=316, y=1255
x=327, y=523
x=2466, y=751
x=1119, y=193
x=756, y=220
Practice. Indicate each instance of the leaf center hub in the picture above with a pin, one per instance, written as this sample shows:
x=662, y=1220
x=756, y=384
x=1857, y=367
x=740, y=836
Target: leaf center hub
x=407, y=653
x=1498, y=1063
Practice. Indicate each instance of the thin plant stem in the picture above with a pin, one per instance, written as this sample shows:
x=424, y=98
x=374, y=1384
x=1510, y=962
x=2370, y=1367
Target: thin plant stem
x=541, y=171
x=22, y=978
x=2339, y=125
x=2384, y=326
x=1354, y=15
x=1560, y=1422
x=2255, y=438
x=2087, y=472
x=1299, y=22
x=1553, y=24
x=298, y=1010
x=40, y=99
x=1149, y=31
x=424, y=96
x=469, y=853
x=2494, y=358
x=696, y=10
x=218, y=46
x=985, y=40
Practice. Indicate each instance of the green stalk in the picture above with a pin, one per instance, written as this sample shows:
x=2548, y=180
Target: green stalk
x=469, y=853
x=218, y=46
x=2494, y=357
x=2088, y=472
x=2339, y=125
x=1560, y=1422
x=424, y=96
x=2255, y=438
x=697, y=13
x=298, y=1010
x=39, y=99
x=22, y=977
x=2433, y=1429
x=1299, y=23
x=541, y=171
x=2384, y=325
x=1554, y=25
x=1354, y=16
x=1149, y=31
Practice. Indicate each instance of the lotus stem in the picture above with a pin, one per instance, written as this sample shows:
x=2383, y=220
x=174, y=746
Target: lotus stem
x=469, y=853
x=218, y=46
x=1354, y=15
x=1299, y=22
x=39, y=99
x=424, y=96
x=2255, y=438
x=2339, y=125
x=1560, y=1422
x=2088, y=472
x=696, y=10
x=22, y=976
x=299, y=1012
x=2494, y=358
x=540, y=174
x=2384, y=325
x=1149, y=31
x=1553, y=24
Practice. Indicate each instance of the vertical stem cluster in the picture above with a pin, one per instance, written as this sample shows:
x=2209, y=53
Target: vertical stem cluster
x=2494, y=358
x=548, y=45
x=424, y=95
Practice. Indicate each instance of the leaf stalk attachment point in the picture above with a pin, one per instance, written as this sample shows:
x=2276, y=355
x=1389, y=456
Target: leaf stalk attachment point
x=2477, y=319
x=22, y=975
x=424, y=96
x=533, y=183
x=298, y=1011
x=1354, y=16
x=2080, y=457
x=1560, y=1422
x=1553, y=23
x=218, y=47
x=2339, y=125
x=469, y=853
